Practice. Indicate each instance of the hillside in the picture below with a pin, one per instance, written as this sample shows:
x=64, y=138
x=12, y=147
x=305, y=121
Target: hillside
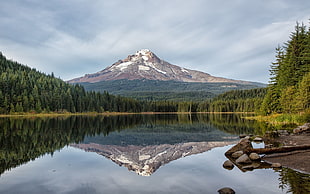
x=165, y=90
x=23, y=89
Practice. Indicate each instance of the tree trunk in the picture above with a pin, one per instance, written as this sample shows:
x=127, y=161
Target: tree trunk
x=277, y=150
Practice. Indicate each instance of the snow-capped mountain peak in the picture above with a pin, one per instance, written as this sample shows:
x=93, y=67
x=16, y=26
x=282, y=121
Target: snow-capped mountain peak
x=144, y=64
x=143, y=52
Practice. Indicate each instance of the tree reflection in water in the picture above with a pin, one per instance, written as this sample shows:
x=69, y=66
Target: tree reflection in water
x=296, y=182
x=25, y=139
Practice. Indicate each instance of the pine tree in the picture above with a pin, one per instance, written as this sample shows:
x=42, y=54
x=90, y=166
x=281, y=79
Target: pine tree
x=287, y=73
x=287, y=100
x=302, y=100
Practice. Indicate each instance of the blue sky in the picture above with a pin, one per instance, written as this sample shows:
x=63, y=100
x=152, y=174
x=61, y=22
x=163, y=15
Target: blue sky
x=227, y=38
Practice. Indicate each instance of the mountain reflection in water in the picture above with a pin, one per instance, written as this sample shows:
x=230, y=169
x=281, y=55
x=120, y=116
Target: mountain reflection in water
x=142, y=143
x=145, y=160
x=23, y=139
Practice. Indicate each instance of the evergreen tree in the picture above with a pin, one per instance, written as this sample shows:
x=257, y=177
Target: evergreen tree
x=287, y=91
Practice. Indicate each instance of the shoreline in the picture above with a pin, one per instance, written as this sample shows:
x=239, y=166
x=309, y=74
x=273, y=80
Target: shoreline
x=108, y=114
x=282, y=148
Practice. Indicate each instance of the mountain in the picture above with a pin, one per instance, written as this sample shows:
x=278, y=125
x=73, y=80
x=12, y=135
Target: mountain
x=145, y=76
x=144, y=64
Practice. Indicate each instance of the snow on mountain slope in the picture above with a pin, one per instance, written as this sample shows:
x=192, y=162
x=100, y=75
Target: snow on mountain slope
x=146, y=65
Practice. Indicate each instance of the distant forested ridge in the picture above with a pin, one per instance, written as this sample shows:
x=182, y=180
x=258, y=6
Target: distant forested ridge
x=235, y=101
x=159, y=90
x=23, y=89
x=289, y=88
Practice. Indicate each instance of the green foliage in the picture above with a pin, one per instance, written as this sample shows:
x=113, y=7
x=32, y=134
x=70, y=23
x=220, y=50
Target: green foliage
x=302, y=99
x=23, y=89
x=235, y=101
x=291, y=118
x=297, y=182
x=289, y=87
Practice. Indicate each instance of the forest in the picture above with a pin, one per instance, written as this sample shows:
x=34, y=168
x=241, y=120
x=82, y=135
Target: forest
x=23, y=89
x=289, y=88
x=26, y=90
x=158, y=90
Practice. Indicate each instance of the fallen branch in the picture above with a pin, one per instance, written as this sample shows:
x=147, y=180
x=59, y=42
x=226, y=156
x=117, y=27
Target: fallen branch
x=276, y=150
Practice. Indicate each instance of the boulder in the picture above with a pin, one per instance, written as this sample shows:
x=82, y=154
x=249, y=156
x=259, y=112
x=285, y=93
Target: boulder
x=283, y=132
x=276, y=165
x=244, y=159
x=254, y=156
x=228, y=165
x=303, y=128
x=226, y=190
x=243, y=144
x=237, y=154
x=258, y=139
x=296, y=130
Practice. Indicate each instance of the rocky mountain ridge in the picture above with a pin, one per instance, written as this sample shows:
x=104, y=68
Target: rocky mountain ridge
x=144, y=64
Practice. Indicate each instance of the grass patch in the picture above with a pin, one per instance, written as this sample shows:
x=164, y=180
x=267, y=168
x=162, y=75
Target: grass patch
x=280, y=119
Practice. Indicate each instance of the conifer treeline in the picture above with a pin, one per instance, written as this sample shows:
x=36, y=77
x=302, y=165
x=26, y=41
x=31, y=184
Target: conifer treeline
x=23, y=89
x=289, y=89
x=235, y=101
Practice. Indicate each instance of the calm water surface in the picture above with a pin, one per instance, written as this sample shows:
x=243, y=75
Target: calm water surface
x=132, y=154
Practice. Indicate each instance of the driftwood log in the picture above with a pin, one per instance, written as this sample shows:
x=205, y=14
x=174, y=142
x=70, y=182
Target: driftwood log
x=276, y=150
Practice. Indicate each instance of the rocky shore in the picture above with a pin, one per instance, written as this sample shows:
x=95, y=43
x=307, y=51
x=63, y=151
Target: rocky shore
x=282, y=148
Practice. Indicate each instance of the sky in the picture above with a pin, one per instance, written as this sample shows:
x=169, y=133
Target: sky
x=227, y=38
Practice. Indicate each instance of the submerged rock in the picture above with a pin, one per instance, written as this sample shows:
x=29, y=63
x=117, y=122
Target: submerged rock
x=252, y=166
x=226, y=190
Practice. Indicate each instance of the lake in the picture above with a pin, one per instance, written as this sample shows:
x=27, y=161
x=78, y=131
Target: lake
x=152, y=153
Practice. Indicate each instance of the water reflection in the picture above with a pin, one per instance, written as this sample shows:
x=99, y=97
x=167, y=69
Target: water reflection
x=142, y=143
x=295, y=182
x=145, y=160
x=24, y=139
